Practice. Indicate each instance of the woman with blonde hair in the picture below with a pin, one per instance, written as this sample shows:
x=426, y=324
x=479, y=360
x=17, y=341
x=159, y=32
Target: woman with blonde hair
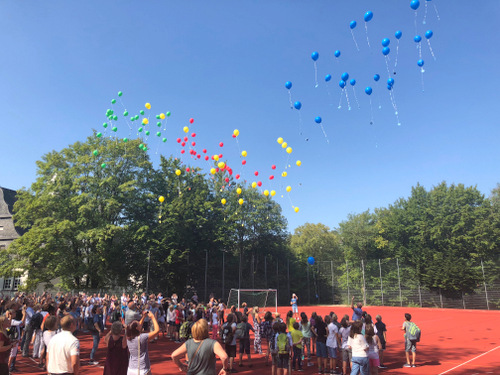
x=257, y=341
x=201, y=352
x=5, y=345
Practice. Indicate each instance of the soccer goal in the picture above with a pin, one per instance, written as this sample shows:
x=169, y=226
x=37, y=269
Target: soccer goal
x=264, y=298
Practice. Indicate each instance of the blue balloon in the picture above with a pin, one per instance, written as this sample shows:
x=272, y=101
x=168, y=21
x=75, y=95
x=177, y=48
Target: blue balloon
x=352, y=25
x=398, y=34
x=310, y=260
x=297, y=105
x=368, y=90
x=376, y=77
x=328, y=77
x=314, y=56
x=390, y=81
x=386, y=51
x=389, y=87
x=368, y=16
x=417, y=39
x=420, y=62
x=429, y=34
x=385, y=42
x=318, y=120
x=288, y=85
x=345, y=76
x=352, y=82
x=342, y=84
x=414, y=4
x=337, y=53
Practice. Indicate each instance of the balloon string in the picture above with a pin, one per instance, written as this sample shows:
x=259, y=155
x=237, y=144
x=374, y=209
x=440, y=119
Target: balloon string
x=355, y=43
x=393, y=101
x=415, y=23
x=324, y=133
x=290, y=99
x=347, y=97
x=425, y=14
x=340, y=100
x=316, y=74
x=430, y=49
x=300, y=123
x=366, y=32
x=422, y=71
x=419, y=46
x=437, y=13
x=355, y=96
x=126, y=120
x=387, y=65
x=397, y=53
x=371, y=111
x=379, y=103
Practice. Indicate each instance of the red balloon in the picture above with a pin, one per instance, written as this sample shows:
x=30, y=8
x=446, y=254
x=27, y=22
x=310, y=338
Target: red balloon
x=193, y=135
x=243, y=162
x=271, y=177
x=183, y=151
x=191, y=120
x=183, y=144
x=229, y=170
x=220, y=156
x=198, y=156
x=217, y=169
x=206, y=157
x=256, y=173
x=273, y=166
x=221, y=144
x=259, y=183
x=185, y=139
x=226, y=179
x=213, y=157
x=187, y=169
x=178, y=140
x=234, y=136
x=237, y=176
x=193, y=143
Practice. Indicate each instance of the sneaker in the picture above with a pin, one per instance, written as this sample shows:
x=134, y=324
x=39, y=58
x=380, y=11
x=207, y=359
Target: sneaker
x=301, y=369
x=406, y=365
x=93, y=363
x=414, y=365
x=310, y=364
x=382, y=366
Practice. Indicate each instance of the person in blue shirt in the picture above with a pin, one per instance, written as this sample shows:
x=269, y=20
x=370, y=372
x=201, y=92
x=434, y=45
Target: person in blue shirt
x=357, y=312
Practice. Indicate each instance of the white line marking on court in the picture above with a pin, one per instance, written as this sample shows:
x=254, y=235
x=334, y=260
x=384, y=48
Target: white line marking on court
x=470, y=360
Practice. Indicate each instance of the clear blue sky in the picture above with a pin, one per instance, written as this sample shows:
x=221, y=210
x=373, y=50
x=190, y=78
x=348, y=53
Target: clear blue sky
x=225, y=64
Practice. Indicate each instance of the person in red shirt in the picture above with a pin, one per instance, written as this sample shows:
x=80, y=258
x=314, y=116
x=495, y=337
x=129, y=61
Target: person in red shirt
x=179, y=318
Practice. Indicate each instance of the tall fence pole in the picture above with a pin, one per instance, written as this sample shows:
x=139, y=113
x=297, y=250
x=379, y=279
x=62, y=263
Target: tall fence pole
x=440, y=298
x=223, y=270
x=485, y=289
x=347, y=278
x=265, y=269
x=333, y=289
x=419, y=295
x=399, y=282
x=288, y=275
x=364, y=283
x=308, y=287
x=381, y=285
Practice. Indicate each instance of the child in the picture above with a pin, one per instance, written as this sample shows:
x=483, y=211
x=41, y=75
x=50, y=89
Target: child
x=273, y=347
x=382, y=335
x=284, y=344
x=245, y=340
x=305, y=327
x=345, y=329
x=373, y=349
x=297, y=338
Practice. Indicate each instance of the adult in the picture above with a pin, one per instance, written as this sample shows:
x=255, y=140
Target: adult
x=201, y=352
x=382, y=335
x=357, y=312
x=257, y=342
x=5, y=345
x=410, y=345
x=117, y=353
x=137, y=343
x=96, y=332
x=63, y=352
x=295, y=308
x=359, y=347
x=50, y=331
x=131, y=314
x=29, y=330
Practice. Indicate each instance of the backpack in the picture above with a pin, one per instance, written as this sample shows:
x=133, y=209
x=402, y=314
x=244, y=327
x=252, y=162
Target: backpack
x=272, y=345
x=267, y=330
x=36, y=321
x=227, y=334
x=283, y=344
x=240, y=330
x=185, y=330
x=116, y=316
x=414, y=332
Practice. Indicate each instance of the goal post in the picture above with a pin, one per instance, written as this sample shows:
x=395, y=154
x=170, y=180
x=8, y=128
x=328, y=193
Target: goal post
x=263, y=298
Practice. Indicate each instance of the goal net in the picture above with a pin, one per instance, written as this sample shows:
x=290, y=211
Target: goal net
x=264, y=298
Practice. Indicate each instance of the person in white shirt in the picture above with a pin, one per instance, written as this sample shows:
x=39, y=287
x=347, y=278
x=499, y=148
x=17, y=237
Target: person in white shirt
x=357, y=343
x=63, y=352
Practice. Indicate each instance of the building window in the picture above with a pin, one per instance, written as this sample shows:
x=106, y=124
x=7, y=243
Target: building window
x=17, y=282
x=1, y=227
x=7, y=283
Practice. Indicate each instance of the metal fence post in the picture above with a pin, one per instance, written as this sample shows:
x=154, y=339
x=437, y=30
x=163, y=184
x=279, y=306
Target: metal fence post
x=485, y=289
x=440, y=297
x=333, y=289
x=399, y=282
x=419, y=294
x=347, y=278
x=381, y=285
x=364, y=284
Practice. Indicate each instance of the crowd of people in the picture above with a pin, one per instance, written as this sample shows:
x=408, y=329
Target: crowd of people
x=47, y=328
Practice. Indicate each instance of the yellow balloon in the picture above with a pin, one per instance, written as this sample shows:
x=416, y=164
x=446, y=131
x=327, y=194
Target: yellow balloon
x=280, y=140
x=299, y=163
x=236, y=132
x=216, y=157
x=238, y=191
x=254, y=184
x=240, y=201
x=273, y=193
x=221, y=165
x=161, y=198
x=288, y=188
x=284, y=145
x=147, y=105
x=178, y=172
x=296, y=209
x=213, y=171
x=266, y=192
x=244, y=153
x=145, y=121
x=162, y=116
x=223, y=201
x=289, y=150
x=186, y=129
x=284, y=174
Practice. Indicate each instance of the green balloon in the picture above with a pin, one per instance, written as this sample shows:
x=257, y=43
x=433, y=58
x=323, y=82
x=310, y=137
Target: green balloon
x=164, y=139
x=105, y=124
x=110, y=117
x=125, y=113
x=147, y=132
x=159, y=124
x=103, y=165
x=95, y=152
x=157, y=117
x=137, y=117
x=158, y=134
x=113, y=101
x=99, y=135
x=125, y=140
x=115, y=117
x=141, y=112
x=114, y=128
x=132, y=118
x=108, y=112
x=168, y=114
x=111, y=112
x=140, y=129
x=120, y=93
x=141, y=146
x=144, y=148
